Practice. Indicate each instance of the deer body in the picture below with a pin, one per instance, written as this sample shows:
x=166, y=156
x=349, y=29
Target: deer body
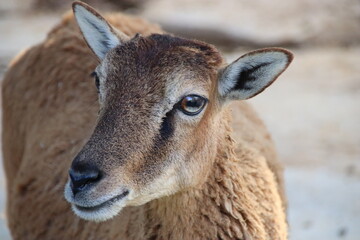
x=228, y=187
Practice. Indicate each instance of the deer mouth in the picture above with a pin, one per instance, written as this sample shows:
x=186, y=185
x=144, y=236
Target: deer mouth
x=105, y=204
x=102, y=211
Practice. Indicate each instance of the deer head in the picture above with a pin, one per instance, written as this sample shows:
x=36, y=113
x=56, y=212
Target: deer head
x=161, y=104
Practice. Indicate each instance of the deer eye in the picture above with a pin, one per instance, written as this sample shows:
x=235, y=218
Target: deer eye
x=97, y=81
x=192, y=104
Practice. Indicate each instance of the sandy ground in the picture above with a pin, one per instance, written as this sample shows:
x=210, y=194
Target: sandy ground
x=312, y=111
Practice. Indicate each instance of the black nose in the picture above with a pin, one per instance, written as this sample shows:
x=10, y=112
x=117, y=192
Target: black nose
x=80, y=179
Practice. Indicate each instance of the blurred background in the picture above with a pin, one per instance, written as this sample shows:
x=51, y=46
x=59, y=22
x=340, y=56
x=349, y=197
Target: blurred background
x=312, y=111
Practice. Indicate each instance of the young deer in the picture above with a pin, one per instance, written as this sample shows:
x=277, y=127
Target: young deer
x=161, y=160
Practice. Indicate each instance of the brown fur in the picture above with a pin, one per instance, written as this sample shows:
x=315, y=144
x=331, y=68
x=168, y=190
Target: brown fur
x=49, y=111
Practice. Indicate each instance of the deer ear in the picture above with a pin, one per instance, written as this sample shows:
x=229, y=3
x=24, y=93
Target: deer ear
x=252, y=73
x=98, y=33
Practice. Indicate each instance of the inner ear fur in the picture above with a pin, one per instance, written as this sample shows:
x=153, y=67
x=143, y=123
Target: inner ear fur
x=99, y=35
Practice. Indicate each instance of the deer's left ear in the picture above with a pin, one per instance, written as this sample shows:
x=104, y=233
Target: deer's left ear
x=252, y=73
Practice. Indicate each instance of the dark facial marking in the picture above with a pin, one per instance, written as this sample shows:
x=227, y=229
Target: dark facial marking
x=167, y=126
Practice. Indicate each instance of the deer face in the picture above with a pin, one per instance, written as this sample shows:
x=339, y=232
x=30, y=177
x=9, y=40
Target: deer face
x=161, y=99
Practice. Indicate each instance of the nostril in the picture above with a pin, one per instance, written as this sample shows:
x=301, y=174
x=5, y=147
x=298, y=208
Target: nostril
x=79, y=180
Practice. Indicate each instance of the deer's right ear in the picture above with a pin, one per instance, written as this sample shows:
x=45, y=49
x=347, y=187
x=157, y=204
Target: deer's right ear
x=97, y=32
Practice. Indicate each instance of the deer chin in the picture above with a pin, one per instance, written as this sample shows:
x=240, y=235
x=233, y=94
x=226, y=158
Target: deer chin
x=97, y=210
